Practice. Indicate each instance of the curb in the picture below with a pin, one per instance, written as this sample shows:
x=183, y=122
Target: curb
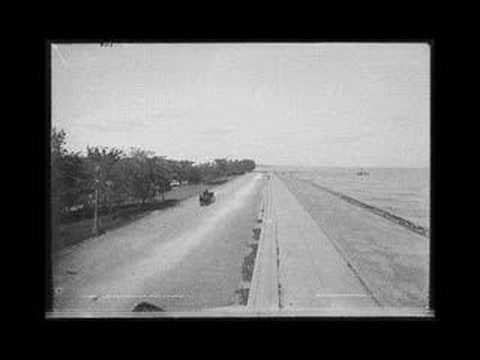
x=263, y=295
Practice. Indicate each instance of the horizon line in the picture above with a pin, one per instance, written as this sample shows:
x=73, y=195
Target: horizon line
x=348, y=166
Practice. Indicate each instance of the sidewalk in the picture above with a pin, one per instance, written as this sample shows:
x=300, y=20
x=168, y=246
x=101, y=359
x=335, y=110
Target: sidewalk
x=312, y=273
x=297, y=266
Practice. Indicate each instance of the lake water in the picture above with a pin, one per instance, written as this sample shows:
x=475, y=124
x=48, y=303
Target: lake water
x=401, y=191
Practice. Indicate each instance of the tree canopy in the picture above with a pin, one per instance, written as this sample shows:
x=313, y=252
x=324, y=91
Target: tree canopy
x=138, y=175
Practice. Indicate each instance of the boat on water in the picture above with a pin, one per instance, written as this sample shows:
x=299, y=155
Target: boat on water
x=363, y=172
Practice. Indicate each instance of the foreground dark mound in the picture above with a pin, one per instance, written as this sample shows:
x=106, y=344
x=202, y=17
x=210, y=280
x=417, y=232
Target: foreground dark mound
x=145, y=306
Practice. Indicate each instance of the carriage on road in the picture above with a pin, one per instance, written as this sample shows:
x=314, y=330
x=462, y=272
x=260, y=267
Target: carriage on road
x=206, y=198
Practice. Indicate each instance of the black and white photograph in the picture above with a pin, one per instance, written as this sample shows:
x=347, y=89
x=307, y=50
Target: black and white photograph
x=240, y=179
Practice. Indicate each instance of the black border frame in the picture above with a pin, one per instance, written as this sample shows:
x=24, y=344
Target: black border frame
x=434, y=280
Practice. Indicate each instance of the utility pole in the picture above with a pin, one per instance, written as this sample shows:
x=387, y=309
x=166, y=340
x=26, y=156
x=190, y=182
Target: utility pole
x=95, y=209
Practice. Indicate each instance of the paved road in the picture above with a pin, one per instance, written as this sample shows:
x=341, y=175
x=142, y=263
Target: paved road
x=181, y=259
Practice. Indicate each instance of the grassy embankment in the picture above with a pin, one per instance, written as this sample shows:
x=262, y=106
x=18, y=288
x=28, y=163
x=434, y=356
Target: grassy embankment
x=76, y=230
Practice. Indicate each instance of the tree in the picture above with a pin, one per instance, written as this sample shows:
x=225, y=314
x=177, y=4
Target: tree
x=194, y=175
x=68, y=177
x=161, y=174
x=101, y=162
x=247, y=164
x=207, y=171
x=136, y=174
x=57, y=151
x=146, y=174
x=221, y=167
x=68, y=174
x=57, y=143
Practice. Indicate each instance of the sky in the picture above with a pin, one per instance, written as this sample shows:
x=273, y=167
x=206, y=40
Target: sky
x=325, y=104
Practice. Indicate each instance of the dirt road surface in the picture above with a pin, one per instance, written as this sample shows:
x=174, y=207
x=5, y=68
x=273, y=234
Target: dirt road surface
x=184, y=259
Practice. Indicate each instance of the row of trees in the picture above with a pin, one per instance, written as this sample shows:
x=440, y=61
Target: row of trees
x=111, y=177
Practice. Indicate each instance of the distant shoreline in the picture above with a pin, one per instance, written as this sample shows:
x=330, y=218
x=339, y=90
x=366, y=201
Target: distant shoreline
x=342, y=167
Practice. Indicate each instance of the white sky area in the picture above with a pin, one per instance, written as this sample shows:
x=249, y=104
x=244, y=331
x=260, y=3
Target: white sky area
x=324, y=104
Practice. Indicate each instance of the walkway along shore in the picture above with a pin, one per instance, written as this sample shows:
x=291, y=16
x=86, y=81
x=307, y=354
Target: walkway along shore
x=300, y=270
